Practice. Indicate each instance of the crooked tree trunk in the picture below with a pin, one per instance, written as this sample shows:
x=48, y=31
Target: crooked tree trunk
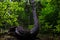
x=30, y=33
x=35, y=29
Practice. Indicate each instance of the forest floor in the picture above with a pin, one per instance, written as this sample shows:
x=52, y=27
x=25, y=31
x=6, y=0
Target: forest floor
x=42, y=37
x=49, y=37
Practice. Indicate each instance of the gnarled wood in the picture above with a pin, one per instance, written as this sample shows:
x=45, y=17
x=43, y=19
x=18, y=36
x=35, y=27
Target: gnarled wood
x=23, y=34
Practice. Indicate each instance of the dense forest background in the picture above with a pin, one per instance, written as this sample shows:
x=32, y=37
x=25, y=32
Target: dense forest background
x=16, y=13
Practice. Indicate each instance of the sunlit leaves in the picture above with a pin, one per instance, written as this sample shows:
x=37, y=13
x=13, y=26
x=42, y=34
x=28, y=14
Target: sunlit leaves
x=11, y=12
x=48, y=9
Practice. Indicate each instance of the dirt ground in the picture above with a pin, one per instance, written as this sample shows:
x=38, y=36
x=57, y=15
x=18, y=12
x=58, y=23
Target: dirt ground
x=42, y=37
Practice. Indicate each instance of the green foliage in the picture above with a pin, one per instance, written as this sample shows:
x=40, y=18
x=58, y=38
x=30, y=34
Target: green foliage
x=14, y=14
x=50, y=19
x=9, y=13
x=5, y=14
x=30, y=27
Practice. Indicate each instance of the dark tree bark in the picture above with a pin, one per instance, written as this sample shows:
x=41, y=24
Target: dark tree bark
x=35, y=29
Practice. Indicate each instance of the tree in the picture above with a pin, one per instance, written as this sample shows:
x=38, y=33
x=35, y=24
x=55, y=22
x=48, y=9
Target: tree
x=21, y=33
